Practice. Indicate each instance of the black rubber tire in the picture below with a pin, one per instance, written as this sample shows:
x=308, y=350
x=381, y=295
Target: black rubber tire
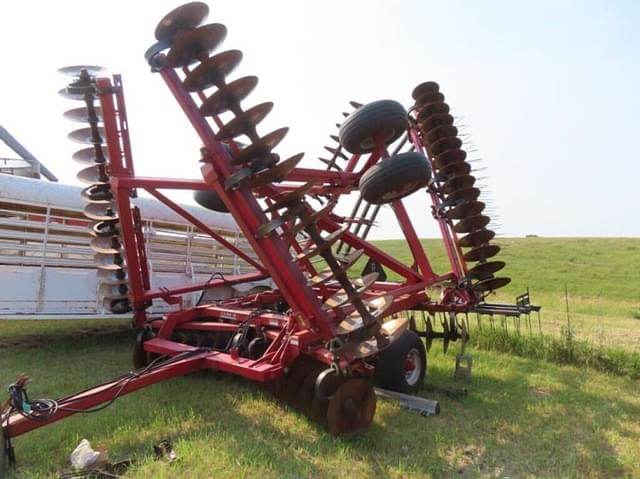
x=395, y=177
x=383, y=116
x=390, y=368
x=210, y=200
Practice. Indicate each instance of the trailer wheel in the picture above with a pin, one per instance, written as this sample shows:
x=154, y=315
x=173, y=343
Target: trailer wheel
x=386, y=117
x=210, y=200
x=401, y=367
x=395, y=177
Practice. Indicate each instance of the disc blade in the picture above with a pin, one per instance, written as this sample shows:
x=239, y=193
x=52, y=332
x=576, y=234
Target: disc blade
x=311, y=219
x=491, y=284
x=121, y=306
x=351, y=408
x=85, y=135
x=432, y=108
x=465, y=210
x=113, y=291
x=191, y=46
x=101, y=211
x=444, y=144
x=93, y=175
x=81, y=115
x=106, y=245
x=393, y=328
x=244, y=122
x=108, y=262
x=434, y=121
x=427, y=98
x=103, y=229
x=440, y=132
x=336, y=152
x=285, y=200
x=457, y=183
x=327, y=275
x=185, y=17
x=476, y=238
x=276, y=173
x=482, y=253
x=91, y=155
x=424, y=88
x=327, y=243
x=261, y=147
x=74, y=70
x=229, y=96
x=340, y=297
x=471, y=224
x=460, y=196
x=459, y=168
x=97, y=194
x=113, y=277
x=448, y=157
x=212, y=71
x=484, y=271
x=353, y=322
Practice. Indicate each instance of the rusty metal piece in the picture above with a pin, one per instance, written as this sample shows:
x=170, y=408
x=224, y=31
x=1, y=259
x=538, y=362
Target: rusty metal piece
x=436, y=120
x=482, y=253
x=245, y=122
x=483, y=271
x=465, y=210
x=75, y=70
x=106, y=245
x=185, y=17
x=286, y=200
x=448, y=157
x=91, y=155
x=212, y=71
x=330, y=164
x=193, y=45
x=260, y=148
x=472, y=223
x=425, y=88
x=444, y=144
x=81, y=114
x=490, y=284
x=85, y=135
x=476, y=238
x=276, y=173
x=101, y=211
x=96, y=174
x=457, y=183
x=100, y=193
x=108, y=262
x=351, y=408
x=327, y=243
x=228, y=96
x=440, y=132
x=311, y=219
x=432, y=109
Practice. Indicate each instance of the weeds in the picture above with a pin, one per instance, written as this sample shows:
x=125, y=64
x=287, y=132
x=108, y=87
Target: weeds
x=564, y=350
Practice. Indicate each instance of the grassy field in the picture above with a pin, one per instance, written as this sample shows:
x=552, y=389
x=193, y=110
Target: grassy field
x=602, y=277
x=522, y=418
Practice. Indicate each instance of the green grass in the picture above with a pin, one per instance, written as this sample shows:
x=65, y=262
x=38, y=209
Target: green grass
x=602, y=276
x=523, y=418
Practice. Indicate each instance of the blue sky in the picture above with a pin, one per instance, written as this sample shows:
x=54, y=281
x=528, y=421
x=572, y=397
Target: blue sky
x=549, y=90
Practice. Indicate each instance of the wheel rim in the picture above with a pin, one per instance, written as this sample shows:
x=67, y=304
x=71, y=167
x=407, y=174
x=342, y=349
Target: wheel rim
x=401, y=192
x=412, y=367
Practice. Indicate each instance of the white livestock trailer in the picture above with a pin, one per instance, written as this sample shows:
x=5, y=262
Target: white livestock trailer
x=46, y=264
